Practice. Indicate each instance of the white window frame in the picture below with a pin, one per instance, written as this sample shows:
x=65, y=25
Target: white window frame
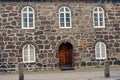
x=64, y=12
x=29, y=61
x=98, y=15
x=100, y=47
x=28, y=12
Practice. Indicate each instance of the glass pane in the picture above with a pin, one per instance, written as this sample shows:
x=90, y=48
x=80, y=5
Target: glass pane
x=96, y=23
x=32, y=58
x=101, y=19
x=31, y=24
x=25, y=58
x=32, y=53
x=30, y=9
x=103, y=48
x=24, y=15
x=101, y=23
x=66, y=9
x=25, y=52
x=61, y=14
x=95, y=9
x=98, y=55
x=62, y=10
x=61, y=19
x=100, y=9
x=25, y=24
x=67, y=15
x=67, y=20
x=101, y=15
x=95, y=15
x=25, y=20
x=25, y=10
x=98, y=50
x=30, y=19
x=95, y=19
x=62, y=24
x=30, y=15
x=67, y=24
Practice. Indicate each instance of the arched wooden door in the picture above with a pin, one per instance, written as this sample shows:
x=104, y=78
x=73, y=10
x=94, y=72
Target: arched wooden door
x=65, y=55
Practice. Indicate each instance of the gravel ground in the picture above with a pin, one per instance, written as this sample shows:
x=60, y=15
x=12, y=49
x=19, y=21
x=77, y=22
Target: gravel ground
x=91, y=74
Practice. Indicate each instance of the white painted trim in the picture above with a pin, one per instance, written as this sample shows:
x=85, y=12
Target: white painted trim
x=98, y=12
x=33, y=12
x=64, y=12
x=29, y=61
x=100, y=43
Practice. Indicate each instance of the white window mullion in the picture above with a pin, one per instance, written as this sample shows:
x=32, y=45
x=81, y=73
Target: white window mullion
x=28, y=53
x=64, y=18
x=33, y=20
x=28, y=17
x=98, y=18
x=100, y=51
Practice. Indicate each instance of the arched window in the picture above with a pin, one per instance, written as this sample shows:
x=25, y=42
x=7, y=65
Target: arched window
x=64, y=17
x=28, y=53
x=98, y=17
x=100, y=50
x=28, y=18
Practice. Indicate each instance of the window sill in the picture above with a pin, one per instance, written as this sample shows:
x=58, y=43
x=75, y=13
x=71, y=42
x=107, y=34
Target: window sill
x=99, y=27
x=65, y=27
x=29, y=62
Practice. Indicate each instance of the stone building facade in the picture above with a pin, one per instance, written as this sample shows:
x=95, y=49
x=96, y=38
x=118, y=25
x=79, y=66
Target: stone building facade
x=47, y=37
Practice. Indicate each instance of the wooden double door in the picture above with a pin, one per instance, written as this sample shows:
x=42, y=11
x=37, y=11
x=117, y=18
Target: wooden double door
x=65, y=55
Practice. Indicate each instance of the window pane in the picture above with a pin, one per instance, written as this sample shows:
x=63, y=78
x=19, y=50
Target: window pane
x=25, y=58
x=100, y=9
x=66, y=9
x=96, y=9
x=96, y=19
x=67, y=20
x=101, y=19
x=30, y=9
x=25, y=20
x=25, y=24
x=98, y=55
x=62, y=24
x=67, y=24
x=95, y=15
x=101, y=23
x=32, y=53
x=24, y=15
x=101, y=15
x=62, y=20
x=26, y=53
x=67, y=15
x=30, y=19
x=30, y=15
x=97, y=50
x=62, y=10
x=103, y=52
x=31, y=24
x=61, y=14
x=96, y=23
x=25, y=9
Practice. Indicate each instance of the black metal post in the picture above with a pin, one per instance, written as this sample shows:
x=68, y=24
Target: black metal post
x=21, y=71
x=107, y=69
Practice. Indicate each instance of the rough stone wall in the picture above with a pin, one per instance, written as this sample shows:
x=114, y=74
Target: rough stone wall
x=47, y=36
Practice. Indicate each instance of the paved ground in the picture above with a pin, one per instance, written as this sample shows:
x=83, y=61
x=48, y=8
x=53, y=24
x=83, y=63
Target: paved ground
x=66, y=75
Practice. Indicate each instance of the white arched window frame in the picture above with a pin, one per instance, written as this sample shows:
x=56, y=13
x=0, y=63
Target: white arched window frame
x=100, y=50
x=28, y=53
x=64, y=17
x=28, y=18
x=98, y=17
